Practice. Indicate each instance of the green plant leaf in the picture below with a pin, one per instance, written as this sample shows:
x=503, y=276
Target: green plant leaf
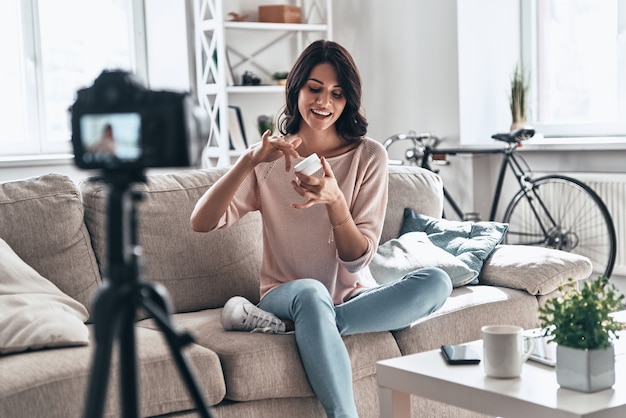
x=518, y=98
x=581, y=318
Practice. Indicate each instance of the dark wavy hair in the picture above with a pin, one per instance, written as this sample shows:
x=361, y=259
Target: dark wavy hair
x=352, y=124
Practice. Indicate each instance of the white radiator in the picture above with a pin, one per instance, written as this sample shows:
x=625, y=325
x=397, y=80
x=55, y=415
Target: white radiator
x=612, y=190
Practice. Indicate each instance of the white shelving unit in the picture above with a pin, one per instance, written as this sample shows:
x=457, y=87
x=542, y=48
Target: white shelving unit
x=219, y=43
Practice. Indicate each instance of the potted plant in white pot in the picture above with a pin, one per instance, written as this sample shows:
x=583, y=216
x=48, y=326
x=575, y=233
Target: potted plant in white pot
x=518, y=98
x=583, y=329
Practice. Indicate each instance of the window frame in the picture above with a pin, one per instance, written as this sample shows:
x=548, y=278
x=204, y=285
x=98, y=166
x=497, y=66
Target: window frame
x=529, y=58
x=38, y=142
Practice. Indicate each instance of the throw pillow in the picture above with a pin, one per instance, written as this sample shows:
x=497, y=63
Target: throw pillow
x=537, y=270
x=34, y=313
x=400, y=256
x=470, y=242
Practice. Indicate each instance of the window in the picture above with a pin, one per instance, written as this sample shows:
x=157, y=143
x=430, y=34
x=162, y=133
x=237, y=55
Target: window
x=62, y=46
x=576, y=53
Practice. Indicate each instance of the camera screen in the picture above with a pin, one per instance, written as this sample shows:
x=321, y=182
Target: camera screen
x=110, y=138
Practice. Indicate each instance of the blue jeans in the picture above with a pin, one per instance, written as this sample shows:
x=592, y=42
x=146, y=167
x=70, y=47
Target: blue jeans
x=319, y=325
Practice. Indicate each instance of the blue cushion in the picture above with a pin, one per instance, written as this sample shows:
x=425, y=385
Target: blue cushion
x=470, y=242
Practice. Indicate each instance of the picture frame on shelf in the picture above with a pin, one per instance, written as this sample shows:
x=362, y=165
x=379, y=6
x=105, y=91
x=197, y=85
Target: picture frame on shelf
x=230, y=79
x=236, y=131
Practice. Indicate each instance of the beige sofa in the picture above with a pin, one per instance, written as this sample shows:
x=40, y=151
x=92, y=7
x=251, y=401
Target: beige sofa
x=59, y=228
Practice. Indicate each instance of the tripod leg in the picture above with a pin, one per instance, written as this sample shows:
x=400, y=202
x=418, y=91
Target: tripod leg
x=105, y=316
x=128, y=363
x=116, y=304
x=154, y=300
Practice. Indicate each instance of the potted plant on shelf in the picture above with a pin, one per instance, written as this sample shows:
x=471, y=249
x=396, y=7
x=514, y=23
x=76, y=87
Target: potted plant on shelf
x=518, y=98
x=280, y=77
x=580, y=323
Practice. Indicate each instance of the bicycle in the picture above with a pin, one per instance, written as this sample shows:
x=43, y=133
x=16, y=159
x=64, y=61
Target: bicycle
x=553, y=211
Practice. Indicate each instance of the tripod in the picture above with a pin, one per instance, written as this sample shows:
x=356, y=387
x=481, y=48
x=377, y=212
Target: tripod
x=116, y=304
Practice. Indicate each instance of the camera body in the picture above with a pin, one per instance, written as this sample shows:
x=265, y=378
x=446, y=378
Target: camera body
x=118, y=124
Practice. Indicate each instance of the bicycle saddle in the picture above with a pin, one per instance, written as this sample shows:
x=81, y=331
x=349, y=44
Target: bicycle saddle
x=517, y=135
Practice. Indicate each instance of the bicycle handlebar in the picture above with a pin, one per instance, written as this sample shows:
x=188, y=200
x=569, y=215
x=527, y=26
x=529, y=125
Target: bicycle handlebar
x=418, y=139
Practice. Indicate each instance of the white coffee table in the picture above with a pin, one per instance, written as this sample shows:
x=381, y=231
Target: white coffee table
x=535, y=394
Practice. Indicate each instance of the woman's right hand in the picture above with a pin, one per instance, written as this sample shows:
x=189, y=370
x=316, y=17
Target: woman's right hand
x=214, y=202
x=272, y=148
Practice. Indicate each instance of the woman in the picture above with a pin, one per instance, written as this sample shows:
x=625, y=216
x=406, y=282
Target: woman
x=320, y=231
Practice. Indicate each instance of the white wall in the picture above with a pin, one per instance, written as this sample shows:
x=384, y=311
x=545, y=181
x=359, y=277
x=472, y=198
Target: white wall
x=440, y=66
x=489, y=49
x=407, y=54
x=167, y=52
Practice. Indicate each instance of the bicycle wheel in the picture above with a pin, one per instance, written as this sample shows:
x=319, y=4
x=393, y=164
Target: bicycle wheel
x=563, y=213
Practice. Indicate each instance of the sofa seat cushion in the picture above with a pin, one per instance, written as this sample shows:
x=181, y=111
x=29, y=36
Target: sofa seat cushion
x=41, y=219
x=260, y=366
x=305, y=407
x=464, y=313
x=200, y=270
x=53, y=383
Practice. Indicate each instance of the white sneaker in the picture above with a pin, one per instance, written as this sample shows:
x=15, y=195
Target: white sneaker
x=239, y=314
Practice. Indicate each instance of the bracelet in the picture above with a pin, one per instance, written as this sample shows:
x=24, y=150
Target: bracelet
x=342, y=223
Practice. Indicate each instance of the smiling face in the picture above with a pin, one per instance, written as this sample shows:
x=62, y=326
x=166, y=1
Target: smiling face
x=321, y=66
x=321, y=100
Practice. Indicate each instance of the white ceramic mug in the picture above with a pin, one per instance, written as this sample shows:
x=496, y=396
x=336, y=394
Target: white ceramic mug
x=503, y=350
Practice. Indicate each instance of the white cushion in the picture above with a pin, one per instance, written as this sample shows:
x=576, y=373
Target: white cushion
x=34, y=313
x=537, y=270
x=400, y=256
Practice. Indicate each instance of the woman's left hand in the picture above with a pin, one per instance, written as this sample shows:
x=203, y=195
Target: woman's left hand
x=317, y=190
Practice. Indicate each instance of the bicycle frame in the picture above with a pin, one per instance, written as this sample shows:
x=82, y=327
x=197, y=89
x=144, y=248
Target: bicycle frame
x=509, y=160
x=553, y=227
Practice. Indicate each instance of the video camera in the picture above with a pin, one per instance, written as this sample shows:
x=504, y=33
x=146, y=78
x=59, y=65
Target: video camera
x=118, y=124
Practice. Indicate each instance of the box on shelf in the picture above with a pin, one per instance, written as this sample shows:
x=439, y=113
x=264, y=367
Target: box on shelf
x=280, y=13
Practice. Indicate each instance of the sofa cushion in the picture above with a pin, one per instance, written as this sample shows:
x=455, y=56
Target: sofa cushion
x=470, y=242
x=411, y=187
x=464, y=313
x=306, y=407
x=34, y=313
x=259, y=366
x=53, y=383
x=200, y=270
x=536, y=270
x=42, y=220
x=412, y=251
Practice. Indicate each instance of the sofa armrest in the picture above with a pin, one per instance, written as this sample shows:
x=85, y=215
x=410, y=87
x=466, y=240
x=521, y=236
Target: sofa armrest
x=537, y=270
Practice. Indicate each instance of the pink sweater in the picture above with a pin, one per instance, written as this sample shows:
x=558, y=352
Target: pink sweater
x=296, y=241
